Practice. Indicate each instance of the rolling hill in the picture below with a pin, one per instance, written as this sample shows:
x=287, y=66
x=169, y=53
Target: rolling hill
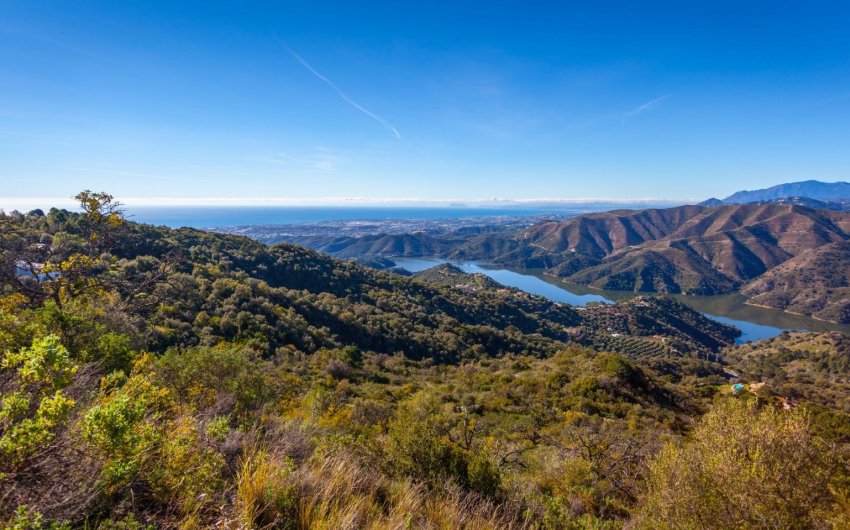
x=693, y=249
x=689, y=249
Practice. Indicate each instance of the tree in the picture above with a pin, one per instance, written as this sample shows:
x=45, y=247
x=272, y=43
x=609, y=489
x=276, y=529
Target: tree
x=77, y=274
x=102, y=216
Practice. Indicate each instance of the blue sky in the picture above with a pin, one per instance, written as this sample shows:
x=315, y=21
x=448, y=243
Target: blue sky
x=433, y=100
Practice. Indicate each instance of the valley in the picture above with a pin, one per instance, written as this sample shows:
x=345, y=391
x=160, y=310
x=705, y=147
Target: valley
x=756, y=323
x=688, y=250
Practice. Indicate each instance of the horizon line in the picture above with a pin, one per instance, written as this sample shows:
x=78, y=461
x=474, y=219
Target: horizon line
x=9, y=203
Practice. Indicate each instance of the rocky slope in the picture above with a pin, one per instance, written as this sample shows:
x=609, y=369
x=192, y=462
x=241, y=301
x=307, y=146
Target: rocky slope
x=692, y=249
x=814, y=283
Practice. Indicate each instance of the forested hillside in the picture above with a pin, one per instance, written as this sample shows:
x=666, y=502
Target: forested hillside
x=164, y=378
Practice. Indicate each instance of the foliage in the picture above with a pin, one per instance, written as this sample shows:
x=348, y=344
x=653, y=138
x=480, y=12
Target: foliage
x=29, y=414
x=744, y=467
x=27, y=519
x=175, y=378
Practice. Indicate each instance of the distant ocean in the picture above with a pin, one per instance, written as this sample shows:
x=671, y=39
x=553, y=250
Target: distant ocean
x=220, y=216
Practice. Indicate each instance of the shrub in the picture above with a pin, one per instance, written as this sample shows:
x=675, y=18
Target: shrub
x=125, y=427
x=28, y=519
x=186, y=472
x=745, y=467
x=31, y=414
x=418, y=448
x=419, y=445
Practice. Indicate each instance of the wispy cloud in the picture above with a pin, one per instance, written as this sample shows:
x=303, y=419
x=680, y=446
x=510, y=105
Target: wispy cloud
x=321, y=160
x=122, y=173
x=345, y=97
x=649, y=105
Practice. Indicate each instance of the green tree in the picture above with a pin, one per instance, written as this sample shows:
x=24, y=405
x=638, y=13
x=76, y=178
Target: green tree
x=102, y=216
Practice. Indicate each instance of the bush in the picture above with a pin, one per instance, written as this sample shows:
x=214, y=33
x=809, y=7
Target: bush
x=32, y=412
x=27, y=519
x=134, y=428
x=418, y=446
x=125, y=426
x=745, y=467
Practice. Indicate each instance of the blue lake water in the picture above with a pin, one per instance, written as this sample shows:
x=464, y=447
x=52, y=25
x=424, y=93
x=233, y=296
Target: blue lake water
x=529, y=283
x=755, y=323
x=751, y=330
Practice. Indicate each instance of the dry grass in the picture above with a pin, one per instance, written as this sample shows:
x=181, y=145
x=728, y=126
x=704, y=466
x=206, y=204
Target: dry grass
x=264, y=494
x=338, y=492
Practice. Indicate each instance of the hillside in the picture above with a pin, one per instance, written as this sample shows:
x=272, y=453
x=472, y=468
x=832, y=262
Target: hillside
x=688, y=249
x=417, y=244
x=809, y=368
x=717, y=250
x=786, y=229
x=452, y=276
x=181, y=379
x=814, y=283
x=649, y=329
x=601, y=234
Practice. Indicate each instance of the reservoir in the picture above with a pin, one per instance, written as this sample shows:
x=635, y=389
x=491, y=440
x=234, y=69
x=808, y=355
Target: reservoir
x=755, y=323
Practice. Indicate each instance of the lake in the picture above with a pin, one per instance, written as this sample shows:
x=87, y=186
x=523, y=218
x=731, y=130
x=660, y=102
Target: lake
x=755, y=323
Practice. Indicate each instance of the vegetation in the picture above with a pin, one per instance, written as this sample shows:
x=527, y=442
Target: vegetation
x=743, y=468
x=156, y=378
x=790, y=255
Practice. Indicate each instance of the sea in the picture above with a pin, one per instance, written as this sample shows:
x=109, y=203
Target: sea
x=224, y=216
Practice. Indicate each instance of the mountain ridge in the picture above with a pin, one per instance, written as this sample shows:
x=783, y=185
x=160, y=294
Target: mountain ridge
x=811, y=189
x=691, y=249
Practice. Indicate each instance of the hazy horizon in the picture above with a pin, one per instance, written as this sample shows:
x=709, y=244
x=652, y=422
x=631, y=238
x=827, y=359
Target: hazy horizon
x=354, y=202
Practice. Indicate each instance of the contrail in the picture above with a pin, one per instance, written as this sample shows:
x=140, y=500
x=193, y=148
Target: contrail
x=646, y=106
x=384, y=123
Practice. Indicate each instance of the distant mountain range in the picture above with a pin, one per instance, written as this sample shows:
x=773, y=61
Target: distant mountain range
x=811, y=193
x=786, y=247
x=779, y=253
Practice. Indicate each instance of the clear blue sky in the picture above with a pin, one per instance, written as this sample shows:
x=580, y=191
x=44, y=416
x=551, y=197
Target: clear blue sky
x=456, y=100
